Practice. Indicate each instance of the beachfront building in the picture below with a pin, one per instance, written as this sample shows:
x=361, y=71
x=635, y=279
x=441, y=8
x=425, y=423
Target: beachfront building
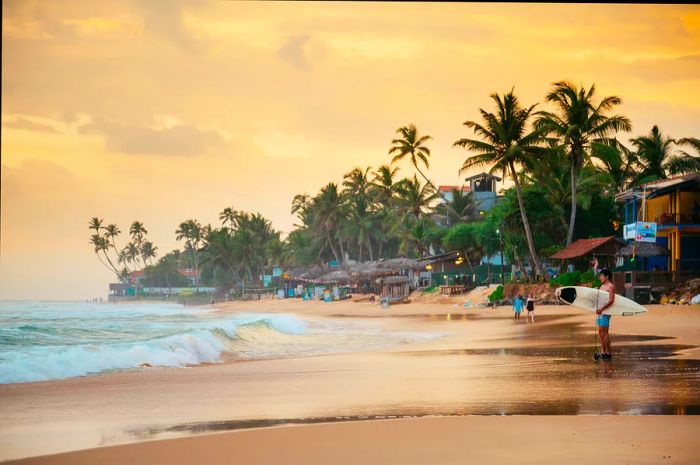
x=667, y=213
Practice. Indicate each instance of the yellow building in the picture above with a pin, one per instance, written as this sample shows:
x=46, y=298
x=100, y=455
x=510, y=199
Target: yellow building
x=674, y=205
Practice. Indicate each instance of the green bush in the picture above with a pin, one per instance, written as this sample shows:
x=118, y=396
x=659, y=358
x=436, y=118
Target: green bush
x=575, y=278
x=566, y=279
x=497, y=294
x=429, y=289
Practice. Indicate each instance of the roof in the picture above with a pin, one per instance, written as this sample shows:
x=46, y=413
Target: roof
x=394, y=280
x=660, y=187
x=136, y=274
x=643, y=249
x=451, y=188
x=482, y=175
x=599, y=246
x=186, y=272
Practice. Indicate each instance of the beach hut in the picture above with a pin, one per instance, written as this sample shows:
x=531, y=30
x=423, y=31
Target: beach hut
x=395, y=289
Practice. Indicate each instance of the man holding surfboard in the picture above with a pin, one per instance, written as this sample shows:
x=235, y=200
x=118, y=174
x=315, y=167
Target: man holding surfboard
x=603, y=321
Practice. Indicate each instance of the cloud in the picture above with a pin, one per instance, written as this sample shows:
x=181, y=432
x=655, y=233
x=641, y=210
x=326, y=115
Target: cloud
x=29, y=125
x=293, y=51
x=178, y=140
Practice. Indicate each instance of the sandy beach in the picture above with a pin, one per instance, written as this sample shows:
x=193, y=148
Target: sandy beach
x=483, y=388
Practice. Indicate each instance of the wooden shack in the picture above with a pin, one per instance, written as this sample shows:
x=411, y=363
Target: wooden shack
x=395, y=289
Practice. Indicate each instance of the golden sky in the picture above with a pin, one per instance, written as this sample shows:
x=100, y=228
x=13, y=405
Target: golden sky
x=161, y=111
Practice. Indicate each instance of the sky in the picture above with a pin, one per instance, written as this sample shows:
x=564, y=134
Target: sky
x=162, y=111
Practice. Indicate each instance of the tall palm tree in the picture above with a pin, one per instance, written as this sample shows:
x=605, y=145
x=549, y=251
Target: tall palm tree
x=328, y=213
x=577, y=123
x=148, y=252
x=228, y=215
x=137, y=231
x=191, y=231
x=505, y=144
x=411, y=145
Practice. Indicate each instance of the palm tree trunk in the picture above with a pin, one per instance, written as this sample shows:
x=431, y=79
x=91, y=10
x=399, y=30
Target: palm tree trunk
x=431, y=184
x=369, y=246
x=526, y=223
x=572, y=221
x=330, y=243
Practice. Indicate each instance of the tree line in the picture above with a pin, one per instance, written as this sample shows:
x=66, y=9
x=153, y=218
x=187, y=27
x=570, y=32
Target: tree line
x=565, y=163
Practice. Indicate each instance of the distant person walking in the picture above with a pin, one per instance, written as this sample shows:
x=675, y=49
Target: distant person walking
x=530, y=307
x=603, y=321
x=518, y=307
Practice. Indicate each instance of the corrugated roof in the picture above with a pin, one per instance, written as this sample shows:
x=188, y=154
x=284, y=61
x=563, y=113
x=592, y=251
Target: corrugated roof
x=586, y=246
x=450, y=188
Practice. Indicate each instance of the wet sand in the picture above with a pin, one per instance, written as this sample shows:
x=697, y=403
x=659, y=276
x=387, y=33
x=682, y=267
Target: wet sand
x=485, y=365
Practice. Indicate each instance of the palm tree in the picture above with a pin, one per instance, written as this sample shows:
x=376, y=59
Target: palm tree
x=657, y=161
x=578, y=123
x=412, y=146
x=191, y=231
x=148, y=252
x=228, y=216
x=653, y=153
x=96, y=224
x=460, y=209
x=685, y=162
x=505, y=143
x=137, y=231
x=414, y=199
x=328, y=212
x=383, y=186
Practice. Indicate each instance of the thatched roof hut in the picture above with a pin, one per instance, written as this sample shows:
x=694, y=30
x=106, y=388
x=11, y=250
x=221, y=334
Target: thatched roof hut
x=337, y=276
x=643, y=249
x=394, y=288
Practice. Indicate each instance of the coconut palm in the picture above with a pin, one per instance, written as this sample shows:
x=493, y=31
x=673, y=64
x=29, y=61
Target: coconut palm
x=577, y=123
x=137, y=231
x=656, y=159
x=148, y=252
x=328, y=208
x=191, y=231
x=96, y=224
x=504, y=145
x=413, y=199
x=460, y=209
x=411, y=145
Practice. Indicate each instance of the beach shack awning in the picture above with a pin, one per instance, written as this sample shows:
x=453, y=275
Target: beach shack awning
x=596, y=246
x=643, y=249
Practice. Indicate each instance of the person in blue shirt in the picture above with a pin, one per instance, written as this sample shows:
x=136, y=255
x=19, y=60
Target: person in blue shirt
x=518, y=306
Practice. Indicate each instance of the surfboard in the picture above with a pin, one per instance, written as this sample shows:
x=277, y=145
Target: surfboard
x=591, y=299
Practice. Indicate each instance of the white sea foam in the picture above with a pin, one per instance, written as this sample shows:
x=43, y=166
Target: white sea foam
x=44, y=341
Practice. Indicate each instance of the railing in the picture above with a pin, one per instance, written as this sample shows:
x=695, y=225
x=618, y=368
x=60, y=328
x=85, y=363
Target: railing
x=678, y=218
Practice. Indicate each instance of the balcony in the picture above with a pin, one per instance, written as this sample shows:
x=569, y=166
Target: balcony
x=677, y=218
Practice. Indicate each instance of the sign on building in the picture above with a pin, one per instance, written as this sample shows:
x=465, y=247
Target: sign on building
x=640, y=231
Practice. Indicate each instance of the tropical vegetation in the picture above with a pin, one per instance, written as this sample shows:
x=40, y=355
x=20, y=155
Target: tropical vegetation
x=563, y=159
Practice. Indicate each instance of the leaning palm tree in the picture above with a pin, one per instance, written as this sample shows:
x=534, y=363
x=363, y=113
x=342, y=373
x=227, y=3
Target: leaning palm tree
x=412, y=146
x=505, y=144
x=577, y=123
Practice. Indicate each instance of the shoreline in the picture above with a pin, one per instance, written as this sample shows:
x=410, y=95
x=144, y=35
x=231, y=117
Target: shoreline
x=493, y=440
x=485, y=365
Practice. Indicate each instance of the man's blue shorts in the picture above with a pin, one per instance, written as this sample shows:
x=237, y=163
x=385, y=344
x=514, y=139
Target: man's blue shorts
x=604, y=321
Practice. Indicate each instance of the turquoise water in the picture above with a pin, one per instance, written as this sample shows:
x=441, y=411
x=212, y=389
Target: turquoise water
x=56, y=340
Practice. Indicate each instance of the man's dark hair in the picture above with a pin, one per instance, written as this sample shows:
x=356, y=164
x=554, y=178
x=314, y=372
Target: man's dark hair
x=606, y=272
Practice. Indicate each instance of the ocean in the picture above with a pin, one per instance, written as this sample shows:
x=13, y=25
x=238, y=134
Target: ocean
x=42, y=340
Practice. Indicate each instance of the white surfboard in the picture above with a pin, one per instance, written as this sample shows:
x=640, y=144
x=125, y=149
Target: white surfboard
x=591, y=299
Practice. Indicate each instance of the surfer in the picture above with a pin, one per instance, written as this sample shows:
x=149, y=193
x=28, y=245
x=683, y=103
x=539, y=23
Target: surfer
x=603, y=321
